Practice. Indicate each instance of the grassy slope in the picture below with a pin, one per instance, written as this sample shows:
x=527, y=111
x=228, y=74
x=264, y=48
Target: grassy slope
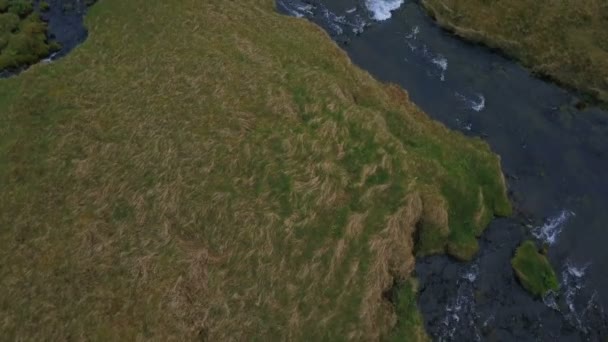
x=213, y=169
x=565, y=40
x=534, y=270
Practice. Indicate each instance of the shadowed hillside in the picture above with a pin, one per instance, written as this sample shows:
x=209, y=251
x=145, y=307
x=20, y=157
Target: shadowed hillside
x=213, y=170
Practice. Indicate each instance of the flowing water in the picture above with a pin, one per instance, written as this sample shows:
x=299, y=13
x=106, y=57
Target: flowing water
x=553, y=154
x=66, y=24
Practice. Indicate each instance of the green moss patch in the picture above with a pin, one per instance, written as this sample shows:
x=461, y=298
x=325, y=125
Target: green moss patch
x=533, y=270
x=410, y=324
x=23, y=35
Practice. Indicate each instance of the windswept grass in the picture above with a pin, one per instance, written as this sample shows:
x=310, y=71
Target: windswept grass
x=564, y=40
x=534, y=270
x=213, y=170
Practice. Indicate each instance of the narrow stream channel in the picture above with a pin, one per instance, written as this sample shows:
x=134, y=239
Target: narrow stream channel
x=65, y=20
x=554, y=155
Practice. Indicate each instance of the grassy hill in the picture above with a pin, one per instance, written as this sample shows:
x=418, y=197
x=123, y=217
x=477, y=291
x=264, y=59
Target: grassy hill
x=564, y=40
x=213, y=170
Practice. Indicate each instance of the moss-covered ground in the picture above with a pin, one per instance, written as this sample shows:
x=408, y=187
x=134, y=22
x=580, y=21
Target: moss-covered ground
x=564, y=40
x=23, y=35
x=533, y=270
x=214, y=170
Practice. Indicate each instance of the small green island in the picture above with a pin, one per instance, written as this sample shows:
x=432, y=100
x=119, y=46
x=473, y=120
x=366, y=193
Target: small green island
x=534, y=270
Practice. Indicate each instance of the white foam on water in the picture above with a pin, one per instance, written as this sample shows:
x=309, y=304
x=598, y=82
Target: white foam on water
x=297, y=8
x=438, y=62
x=305, y=8
x=477, y=105
x=358, y=25
x=471, y=274
x=460, y=311
x=466, y=126
x=550, y=300
x=413, y=33
x=550, y=231
x=488, y=320
x=332, y=22
x=381, y=9
x=572, y=283
x=331, y=16
x=576, y=271
x=480, y=104
x=442, y=63
x=50, y=58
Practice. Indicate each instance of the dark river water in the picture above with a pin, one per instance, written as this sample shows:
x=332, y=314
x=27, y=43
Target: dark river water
x=554, y=155
x=66, y=24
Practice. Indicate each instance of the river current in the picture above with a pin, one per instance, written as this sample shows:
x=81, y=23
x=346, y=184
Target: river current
x=554, y=156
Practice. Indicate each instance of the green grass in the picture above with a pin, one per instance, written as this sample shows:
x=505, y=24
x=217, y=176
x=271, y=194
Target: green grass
x=409, y=320
x=533, y=270
x=23, y=35
x=241, y=179
x=564, y=40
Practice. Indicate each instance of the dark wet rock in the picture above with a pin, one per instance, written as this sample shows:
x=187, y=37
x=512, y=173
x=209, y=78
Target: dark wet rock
x=580, y=105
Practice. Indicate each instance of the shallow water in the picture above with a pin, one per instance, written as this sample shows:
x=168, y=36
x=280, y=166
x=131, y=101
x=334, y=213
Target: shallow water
x=554, y=157
x=66, y=25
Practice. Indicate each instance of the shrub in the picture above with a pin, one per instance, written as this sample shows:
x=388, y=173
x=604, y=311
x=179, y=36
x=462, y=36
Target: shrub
x=3, y=5
x=21, y=8
x=9, y=22
x=22, y=42
x=3, y=41
x=534, y=270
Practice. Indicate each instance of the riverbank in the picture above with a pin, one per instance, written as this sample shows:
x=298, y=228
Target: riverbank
x=553, y=152
x=566, y=42
x=170, y=179
x=43, y=32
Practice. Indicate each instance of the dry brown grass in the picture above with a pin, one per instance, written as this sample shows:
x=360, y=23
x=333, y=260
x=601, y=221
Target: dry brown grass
x=212, y=170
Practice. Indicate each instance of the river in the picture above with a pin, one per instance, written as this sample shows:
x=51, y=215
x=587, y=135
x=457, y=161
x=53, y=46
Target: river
x=554, y=156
